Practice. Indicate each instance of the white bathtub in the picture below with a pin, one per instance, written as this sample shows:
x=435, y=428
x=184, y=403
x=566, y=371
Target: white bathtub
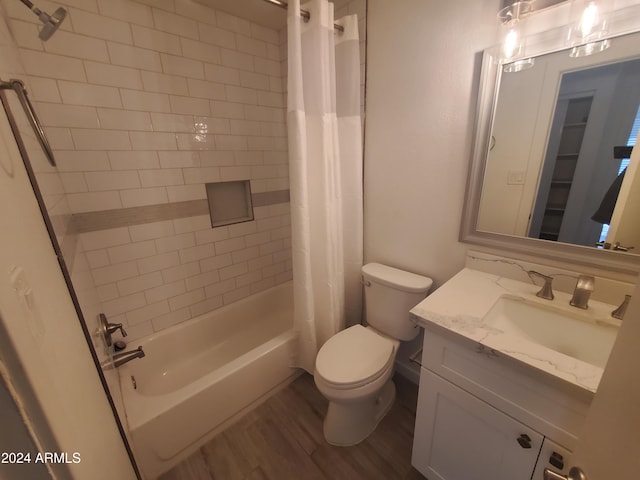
x=197, y=376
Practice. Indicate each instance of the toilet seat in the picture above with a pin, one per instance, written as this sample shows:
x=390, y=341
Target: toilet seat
x=354, y=357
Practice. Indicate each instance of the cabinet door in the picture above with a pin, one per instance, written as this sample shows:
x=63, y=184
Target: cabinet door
x=554, y=457
x=459, y=437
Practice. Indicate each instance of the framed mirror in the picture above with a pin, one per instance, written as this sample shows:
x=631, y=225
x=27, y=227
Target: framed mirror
x=545, y=177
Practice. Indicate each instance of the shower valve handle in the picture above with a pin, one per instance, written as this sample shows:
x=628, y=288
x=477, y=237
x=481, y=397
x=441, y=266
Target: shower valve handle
x=107, y=329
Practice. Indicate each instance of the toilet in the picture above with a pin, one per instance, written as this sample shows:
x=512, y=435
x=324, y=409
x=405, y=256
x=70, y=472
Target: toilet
x=354, y=367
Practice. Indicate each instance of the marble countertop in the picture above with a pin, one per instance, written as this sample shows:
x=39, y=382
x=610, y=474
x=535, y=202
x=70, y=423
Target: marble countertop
x=461, y=304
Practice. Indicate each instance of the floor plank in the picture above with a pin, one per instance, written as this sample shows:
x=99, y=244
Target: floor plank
x=282, y=439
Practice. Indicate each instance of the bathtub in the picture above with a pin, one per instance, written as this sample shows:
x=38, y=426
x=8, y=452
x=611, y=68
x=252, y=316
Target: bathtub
x=197, y=377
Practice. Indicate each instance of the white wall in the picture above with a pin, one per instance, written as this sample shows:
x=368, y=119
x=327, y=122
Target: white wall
x=423, y=62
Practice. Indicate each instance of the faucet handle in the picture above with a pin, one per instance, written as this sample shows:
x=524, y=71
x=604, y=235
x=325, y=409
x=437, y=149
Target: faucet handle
x=546, y=291
x=107, y=329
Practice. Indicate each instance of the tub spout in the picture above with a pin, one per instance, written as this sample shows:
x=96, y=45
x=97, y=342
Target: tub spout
x=121, y=358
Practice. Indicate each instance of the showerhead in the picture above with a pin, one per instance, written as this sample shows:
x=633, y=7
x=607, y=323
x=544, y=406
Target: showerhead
x=50, y=22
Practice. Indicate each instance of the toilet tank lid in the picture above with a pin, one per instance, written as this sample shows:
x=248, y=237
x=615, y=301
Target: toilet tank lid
x=396, y=278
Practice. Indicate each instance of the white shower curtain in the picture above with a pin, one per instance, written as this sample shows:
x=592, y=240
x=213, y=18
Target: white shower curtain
x=325, y=167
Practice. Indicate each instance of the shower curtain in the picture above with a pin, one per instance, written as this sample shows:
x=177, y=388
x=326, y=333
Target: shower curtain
x=325, y=169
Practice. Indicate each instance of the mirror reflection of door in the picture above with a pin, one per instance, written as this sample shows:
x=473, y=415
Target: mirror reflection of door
x=579, y=167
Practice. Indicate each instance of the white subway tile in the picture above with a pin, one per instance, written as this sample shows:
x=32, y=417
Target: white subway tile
x=273, y=270
x=250, y=253
x=220, y=288
x=135, y=57
x=262, y=285
x=252, y=46
x=205, y=89
x=176, y=24
x=231, y=142
x=149, y=231
x=85, y=94
x=211, y=235
x=163, y=83
x=248, y=158
x=148, y=312
x=93, y=201
x=78, y=46
x=211, y=158
x=171, y=122
x=220, y=74
x=139, y=160
x=144, y=196
x=271, y=247
x=248, y=278
x=139, y=283
x=191, y=224
x=148, y=102
x=178, y=65
x=246, y=127
x=132, y=251
x=206, y=306
x=123, y=304
x=189, y=105
x=273, y=53
x=196, y=253
x=183, y=193
x=126, y=10
x=233, y=271
x=44, y=90
x=201, y=175
x=180, y=272
x=156, y=40
x=265, y=34
x=52, y=66
x=94, y=139
x=25, y=35
x=241, y=229
x=107, y=292
x=73, y=182
x=260, y=262
x=233, y=23
x=114, y=273
x=159, y=262
x=200, y=51
x=235, y=59
x=242, y=95
x=178, y=159
x=226, y=246
x=176, y=242
x=187, y=299
x=105, y=238
x=257, y=239
x=217, y=36
x=165, y=291
x=268, y=67
x=196, y=11
x=118, y=180
x=212, y=264
x=236, y=295
x=195, y=141
x=153, y=141
x=167, y=5
x=257, y=81
x=161, y=177
x=97, y=258
x=59, y=139
x=165, y=321
x=56, y=115
x=113, y=75
x=265, y=114
x=99, y=26
x=227, y=109
x=116, y=119
x=202, y=280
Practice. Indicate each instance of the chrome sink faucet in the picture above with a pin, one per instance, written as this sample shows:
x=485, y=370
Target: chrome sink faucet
x=546, y=291
x=582, y=292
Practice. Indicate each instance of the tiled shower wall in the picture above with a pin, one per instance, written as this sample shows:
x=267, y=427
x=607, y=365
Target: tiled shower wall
x=143, y=103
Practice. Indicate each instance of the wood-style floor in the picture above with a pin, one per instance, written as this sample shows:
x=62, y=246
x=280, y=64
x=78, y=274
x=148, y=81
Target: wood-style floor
x=282, y=439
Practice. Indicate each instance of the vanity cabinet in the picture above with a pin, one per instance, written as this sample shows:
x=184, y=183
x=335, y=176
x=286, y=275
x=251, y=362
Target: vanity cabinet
x=483, y=416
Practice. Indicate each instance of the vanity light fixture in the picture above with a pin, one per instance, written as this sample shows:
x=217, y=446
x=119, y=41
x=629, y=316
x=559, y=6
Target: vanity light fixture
x=513, y=36
x=587, y=33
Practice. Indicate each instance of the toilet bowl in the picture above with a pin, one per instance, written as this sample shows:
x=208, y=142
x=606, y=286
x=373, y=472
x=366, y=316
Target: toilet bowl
x=354, y=367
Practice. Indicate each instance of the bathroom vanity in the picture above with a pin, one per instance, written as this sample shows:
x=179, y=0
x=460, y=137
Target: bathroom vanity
x=506, y=379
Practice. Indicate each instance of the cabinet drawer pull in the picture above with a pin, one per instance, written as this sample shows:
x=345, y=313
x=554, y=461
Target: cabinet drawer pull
x=556, y=460
x=524, y=440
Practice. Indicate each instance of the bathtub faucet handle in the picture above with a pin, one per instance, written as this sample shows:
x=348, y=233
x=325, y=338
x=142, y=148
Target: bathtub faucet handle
x=107, y=329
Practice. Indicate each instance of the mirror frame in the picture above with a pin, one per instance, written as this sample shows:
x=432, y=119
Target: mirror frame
x=625, y=21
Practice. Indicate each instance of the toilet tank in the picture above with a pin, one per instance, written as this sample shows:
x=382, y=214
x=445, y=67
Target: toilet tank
x=389, y=295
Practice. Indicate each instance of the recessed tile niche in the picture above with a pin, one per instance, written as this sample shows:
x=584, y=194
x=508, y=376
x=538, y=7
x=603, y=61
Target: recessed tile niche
x=229, y=202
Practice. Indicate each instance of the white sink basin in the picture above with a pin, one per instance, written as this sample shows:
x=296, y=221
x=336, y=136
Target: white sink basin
x=576, y=334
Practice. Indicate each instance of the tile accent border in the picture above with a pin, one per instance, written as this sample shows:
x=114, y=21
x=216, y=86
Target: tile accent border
x=124, y=217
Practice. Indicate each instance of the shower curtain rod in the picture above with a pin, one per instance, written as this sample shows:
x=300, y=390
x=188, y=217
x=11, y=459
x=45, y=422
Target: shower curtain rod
x=303, y=13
